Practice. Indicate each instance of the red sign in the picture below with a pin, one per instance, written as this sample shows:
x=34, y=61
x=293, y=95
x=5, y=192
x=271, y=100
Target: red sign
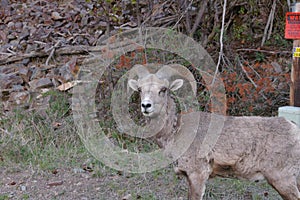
x=292, y=25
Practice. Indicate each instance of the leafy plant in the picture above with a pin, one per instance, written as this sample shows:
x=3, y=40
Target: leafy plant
x=255, y=89
x=259, y=57
x=4, y=197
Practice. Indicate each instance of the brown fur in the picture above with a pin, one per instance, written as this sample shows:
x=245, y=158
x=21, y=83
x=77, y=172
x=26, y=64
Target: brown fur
x=250, y=148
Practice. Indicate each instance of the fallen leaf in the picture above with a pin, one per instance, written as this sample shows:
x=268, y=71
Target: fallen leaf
x=12, y=183
x=67, y=86
x=73, y=67
x=56, y=16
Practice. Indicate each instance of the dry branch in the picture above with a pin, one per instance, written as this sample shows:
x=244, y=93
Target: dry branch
x=52, y=51
x=264, y=51
x=68, y=50
x=199, y=17
x=269, y=26
x=221, y=53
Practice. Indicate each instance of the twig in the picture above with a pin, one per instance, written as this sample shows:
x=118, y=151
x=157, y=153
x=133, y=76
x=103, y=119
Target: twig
x=80, y=49
x=272, y=19
x=216, y=25
x=248, y=76
x=137, y=7
x=107, y=7
x=7, y=54
x=187, y=17
x=184, y=13
x=5, y=131
x=52, y=52
x=269, y=25
x=256, y=73
x=168, y=19
x=265, y=51
x=221, y=42
x=50, y=56
x=251, y=80
x=68, y=50
x=199, y=17
x=39, y=133
x=39, y=42
x=11, y=51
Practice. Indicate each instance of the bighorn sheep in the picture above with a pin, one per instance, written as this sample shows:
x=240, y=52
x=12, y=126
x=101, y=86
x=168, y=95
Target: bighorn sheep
x=250, y=148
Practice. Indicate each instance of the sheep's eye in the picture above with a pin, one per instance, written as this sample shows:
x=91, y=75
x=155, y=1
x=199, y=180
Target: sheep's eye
x=139, y=90
x=163, y=90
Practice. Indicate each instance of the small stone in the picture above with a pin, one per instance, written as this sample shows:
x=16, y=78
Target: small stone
x=11, y=195
x=26, y=61
x=10, y=24
x=127, y=197
x=24, y=73
x=19, y=97
x=40, y=83
x=35, y=72
x=277, y=67
x=11, y=37
x=6, y=69
x=8, y=80
x=4, y=3
x=17, y=88
x=19, y=25
x=78, y=170
x=24, y=34
x=23, y=188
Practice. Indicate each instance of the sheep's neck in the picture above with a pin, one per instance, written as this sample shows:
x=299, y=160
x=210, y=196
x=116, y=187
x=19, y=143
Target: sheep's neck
x=170, y=126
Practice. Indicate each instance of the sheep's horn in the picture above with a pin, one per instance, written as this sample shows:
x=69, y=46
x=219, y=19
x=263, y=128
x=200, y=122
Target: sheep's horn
x=139, y=70
x=167, y=71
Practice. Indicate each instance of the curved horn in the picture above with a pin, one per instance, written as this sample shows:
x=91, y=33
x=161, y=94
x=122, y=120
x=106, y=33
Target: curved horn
x=167, y=71
x=139, y=70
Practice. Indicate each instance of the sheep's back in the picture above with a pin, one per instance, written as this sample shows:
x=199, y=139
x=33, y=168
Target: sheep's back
x=246, y=146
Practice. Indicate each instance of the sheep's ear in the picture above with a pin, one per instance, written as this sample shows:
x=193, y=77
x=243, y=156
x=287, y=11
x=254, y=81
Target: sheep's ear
x=175, y=85
x=133, y=84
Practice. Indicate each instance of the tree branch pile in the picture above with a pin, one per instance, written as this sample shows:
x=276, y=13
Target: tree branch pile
x=42, y=42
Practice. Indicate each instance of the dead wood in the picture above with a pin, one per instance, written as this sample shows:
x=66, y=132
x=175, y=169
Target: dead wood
x=68, y=50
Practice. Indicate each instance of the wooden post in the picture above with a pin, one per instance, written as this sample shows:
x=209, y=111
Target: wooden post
x=295, y=79
x=292, y=31
x=295, y=74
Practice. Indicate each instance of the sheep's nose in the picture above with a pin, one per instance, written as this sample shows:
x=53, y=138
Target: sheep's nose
x=146, y=105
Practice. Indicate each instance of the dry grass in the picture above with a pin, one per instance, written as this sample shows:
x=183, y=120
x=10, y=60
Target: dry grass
x=36, y=144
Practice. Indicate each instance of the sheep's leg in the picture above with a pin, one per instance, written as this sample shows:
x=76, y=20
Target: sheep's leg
x=288, y=191
x=298, y=182
x=286, y=187
x=197, y=182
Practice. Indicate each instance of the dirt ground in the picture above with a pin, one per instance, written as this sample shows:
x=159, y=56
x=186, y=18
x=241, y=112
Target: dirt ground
x=83, y=185
x=106, y=184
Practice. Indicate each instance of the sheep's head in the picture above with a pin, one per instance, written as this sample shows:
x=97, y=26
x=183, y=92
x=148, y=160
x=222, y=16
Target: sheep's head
x=154, y=89
x=154, y=93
